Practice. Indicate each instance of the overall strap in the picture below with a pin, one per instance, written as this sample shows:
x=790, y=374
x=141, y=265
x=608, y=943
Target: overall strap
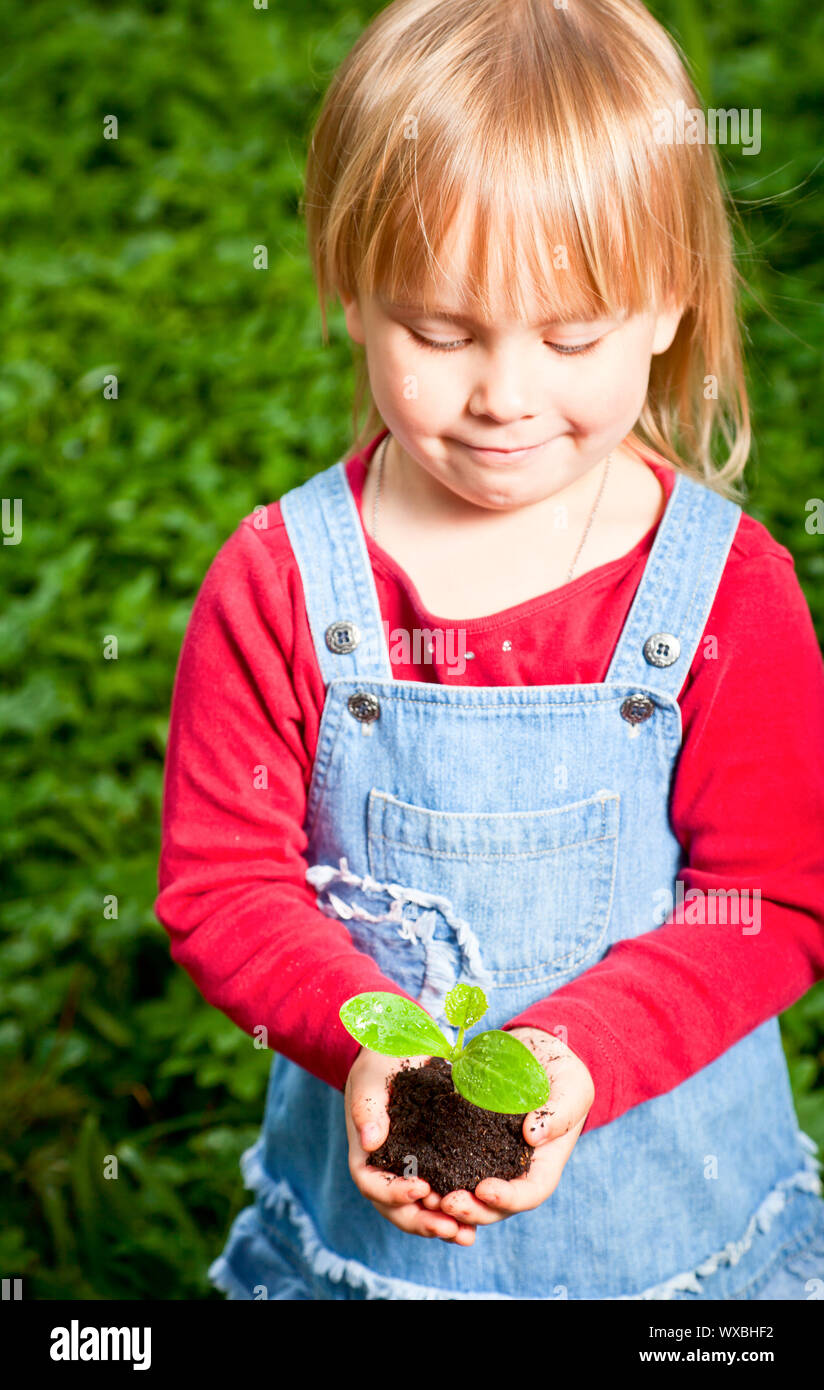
x=677, y=590
x=327, y=539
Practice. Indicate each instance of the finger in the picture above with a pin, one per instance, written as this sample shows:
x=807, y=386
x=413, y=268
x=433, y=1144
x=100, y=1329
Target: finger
x=367, y=1112
x=466, y=1208
x=381, y=1183
x=534, y=1186
x=377, y=1183
x=369, y=1102
x=568, y=1107
x=465, y=1236
x=545, y=1125
x=539, y=1126
x=371, y=1120
x=505, y=1198
x=388, y=1188
x=359, y=1157
x=414, y=1219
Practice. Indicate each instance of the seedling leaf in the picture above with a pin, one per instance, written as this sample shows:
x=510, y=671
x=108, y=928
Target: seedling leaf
x=394, y=1026
x=465, y=1005
x=499, y=1073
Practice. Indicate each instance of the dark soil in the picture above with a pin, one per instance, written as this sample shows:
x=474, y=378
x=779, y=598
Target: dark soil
x=456, y=1144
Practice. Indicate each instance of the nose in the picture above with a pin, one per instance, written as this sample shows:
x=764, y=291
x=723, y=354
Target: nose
x=506, y=386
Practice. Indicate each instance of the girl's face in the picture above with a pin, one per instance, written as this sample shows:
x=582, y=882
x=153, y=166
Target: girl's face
x=563, y=397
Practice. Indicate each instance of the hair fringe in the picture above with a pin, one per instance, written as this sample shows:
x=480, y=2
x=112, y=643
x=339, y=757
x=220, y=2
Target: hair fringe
x=571, y=161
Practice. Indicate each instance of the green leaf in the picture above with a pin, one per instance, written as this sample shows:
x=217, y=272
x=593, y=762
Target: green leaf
x=498, y=1072
x=393, y=1025
x=465, y=1005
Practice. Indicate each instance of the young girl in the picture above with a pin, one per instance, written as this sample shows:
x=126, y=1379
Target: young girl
x=516, y=695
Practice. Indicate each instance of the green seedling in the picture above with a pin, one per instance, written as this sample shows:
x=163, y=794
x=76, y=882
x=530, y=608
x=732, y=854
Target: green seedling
x=495, y=1071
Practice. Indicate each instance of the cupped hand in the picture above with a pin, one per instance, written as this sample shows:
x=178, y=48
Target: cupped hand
x=553, y=1132
x=398, y=1199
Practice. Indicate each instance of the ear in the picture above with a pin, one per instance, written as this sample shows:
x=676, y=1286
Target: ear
x=666, y=325
x=354, y=318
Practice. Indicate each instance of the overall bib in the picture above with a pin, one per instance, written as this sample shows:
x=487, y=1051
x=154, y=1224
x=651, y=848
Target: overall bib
x=507, y=837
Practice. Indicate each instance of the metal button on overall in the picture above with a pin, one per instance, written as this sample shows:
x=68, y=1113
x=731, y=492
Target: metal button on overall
x=364, y=706
x=342, y=636
x=662, y=649
x=637, y=708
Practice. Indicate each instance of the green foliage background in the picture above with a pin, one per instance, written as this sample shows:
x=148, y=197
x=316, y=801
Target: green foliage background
x=134, y=256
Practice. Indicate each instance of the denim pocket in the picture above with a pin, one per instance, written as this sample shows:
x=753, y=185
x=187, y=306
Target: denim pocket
x=536, y=887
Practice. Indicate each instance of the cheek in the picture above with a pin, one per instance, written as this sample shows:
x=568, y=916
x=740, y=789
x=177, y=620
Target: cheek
x=612, y=389
x=414, y=382
x=391, y=377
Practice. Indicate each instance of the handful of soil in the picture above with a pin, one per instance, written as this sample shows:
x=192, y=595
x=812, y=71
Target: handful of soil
x=456, y=1144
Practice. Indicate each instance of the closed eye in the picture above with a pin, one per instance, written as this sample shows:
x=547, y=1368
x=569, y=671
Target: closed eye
x=563, y=349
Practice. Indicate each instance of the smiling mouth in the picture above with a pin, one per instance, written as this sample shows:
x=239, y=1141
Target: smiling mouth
x=503, y=453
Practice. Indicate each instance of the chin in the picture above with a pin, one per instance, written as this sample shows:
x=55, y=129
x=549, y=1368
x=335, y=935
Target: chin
x=498, y=501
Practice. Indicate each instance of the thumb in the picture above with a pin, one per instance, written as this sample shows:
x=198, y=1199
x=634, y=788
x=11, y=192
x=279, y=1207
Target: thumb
x=373, y=1133
x=561, y=1114
x=371, y=1118
x=542, y=1125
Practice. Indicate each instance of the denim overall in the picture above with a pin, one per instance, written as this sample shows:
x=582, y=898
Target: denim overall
x=508, y=837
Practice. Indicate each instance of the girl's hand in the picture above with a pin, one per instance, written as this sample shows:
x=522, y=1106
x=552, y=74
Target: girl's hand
x=396, y=1198
x=553, y=1131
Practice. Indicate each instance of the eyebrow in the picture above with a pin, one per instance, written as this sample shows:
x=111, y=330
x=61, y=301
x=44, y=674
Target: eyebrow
x=449, y=316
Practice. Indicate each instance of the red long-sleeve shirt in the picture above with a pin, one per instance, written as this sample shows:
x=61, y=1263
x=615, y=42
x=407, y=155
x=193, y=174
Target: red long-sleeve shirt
x=747, y=805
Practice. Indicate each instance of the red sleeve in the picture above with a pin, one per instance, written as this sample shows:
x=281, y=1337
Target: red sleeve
x=748, y=809
x=242, y=920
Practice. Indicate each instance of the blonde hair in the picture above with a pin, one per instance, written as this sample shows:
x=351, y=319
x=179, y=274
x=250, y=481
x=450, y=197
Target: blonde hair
x=543, y=121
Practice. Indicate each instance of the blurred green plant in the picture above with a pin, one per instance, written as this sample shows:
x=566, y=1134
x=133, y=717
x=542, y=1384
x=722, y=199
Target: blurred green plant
x=134, y=257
